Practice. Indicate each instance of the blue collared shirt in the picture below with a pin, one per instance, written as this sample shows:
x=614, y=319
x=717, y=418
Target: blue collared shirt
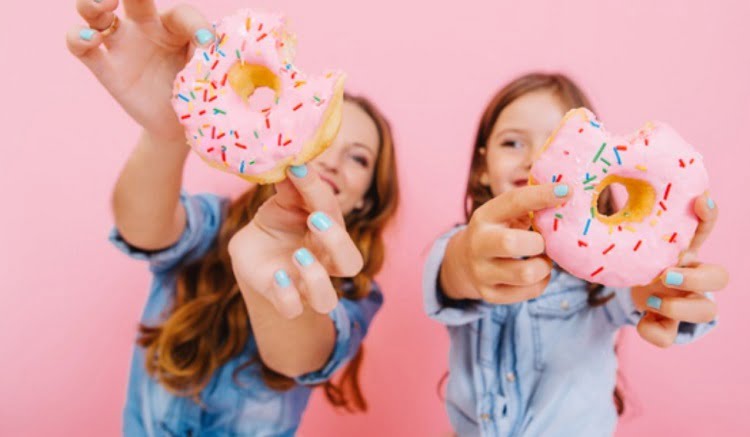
x=543, y=367
x=250, y=408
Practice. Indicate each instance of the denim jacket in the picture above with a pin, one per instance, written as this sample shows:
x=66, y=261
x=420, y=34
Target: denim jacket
x=543, y=367
x=226, y=408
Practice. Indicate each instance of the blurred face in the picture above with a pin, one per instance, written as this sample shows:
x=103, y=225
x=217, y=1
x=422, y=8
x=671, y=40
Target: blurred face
x=348, y=164
x=519, y=132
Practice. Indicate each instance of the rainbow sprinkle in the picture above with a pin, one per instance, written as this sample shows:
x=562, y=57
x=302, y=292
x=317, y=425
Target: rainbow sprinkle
x=599, y=153
x=617, y=155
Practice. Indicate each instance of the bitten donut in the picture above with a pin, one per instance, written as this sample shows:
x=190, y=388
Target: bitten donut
x=663, y=175
x=247, y=109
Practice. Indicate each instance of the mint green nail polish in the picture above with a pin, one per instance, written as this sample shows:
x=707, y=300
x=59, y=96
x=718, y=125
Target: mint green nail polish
x=711, y=204
x=282, y=279
x=654, y=302
x=86, y=34
x=203, y=36
x=321, y=221
x=561, y=190
x=299, y=170
x=674, y=278
x=304, y=257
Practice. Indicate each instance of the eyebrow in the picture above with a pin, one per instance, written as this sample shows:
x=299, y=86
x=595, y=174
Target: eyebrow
x=510, y=130
x=357, y=144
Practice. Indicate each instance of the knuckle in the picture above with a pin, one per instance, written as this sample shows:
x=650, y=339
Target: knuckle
x=530, y=272
x=513, y=200
x=540, y=289
x=507, y=242
x=474, y=241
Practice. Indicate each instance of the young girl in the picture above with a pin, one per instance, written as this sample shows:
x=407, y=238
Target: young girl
x=532, y=347
x=242, y=318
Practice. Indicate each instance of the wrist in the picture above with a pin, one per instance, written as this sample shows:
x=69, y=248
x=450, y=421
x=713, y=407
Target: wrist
x=453, y=276
x=178, y=143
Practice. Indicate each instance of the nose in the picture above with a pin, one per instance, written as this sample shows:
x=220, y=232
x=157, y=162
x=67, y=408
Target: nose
x=528, y=158
x=327, y=162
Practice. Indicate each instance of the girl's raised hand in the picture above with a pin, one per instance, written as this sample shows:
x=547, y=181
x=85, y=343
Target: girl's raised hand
x=502, y=261
x=138, y=62
x=678, y=294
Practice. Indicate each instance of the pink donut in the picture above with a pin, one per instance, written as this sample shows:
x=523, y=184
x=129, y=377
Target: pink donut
x=247, y=109
x=662, y=174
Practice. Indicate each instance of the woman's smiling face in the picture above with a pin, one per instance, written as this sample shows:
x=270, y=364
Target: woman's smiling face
x=348, y=164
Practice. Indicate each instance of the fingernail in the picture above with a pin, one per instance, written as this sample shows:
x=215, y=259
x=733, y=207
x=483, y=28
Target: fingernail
x=304, y=257
x=282, y=279
x=86, y=34
x=320, y=221
x=711, y=204
x=674, y=278
x=203, y=36
x=299, y=170
x=561, y=190
x=654, y=302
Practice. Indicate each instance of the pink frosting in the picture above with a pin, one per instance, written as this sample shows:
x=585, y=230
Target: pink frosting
x=249, y=138
x=633, y=253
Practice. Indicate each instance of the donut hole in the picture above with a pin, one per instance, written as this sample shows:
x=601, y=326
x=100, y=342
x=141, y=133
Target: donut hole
x=636, y=196
x=245, y=79
x=612, y=199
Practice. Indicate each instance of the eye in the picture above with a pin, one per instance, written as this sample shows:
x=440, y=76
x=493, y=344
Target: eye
x=512, y=143
x=361, y=160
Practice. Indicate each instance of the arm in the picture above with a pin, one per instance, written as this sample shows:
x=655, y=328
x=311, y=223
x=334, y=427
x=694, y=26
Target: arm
x=283, y=261
x=291, y=347
x=138, y=69
x=145, y=200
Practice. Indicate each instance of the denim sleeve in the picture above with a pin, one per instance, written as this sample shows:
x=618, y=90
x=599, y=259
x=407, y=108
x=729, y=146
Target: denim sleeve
x=351, y=319
x=621, y=311
x=436, y=304
x=204, y=218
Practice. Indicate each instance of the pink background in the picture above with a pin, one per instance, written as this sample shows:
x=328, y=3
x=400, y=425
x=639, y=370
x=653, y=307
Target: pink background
x=70, y=302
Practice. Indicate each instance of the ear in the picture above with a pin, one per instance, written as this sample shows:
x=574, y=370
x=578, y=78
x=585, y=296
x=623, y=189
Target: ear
x=484, y=179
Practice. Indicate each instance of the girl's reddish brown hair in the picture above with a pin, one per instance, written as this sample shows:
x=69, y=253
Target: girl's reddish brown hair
x=571, y=96
x=207, y=324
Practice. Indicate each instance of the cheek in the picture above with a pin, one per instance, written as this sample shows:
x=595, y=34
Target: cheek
x=499, y=164
x=357, y=181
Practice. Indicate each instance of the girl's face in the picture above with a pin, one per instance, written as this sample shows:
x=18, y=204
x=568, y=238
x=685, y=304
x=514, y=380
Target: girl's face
x=519, y=132
x=348, y=164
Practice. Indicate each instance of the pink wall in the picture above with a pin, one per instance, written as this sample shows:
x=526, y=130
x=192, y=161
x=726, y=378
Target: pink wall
x=70, y=302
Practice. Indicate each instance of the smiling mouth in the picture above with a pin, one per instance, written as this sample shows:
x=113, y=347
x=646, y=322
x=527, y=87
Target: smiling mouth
x=331, y=184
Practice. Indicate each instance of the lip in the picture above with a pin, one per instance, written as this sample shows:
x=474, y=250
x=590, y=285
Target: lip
x=521, y=182
x=331, y=183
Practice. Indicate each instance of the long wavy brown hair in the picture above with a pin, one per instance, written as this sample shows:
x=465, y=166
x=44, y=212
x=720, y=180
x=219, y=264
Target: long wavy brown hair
x=207, y=324
x=571, y=96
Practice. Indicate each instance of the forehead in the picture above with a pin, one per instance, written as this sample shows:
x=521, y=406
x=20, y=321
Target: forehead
x=357, y=127
x=537, y=111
